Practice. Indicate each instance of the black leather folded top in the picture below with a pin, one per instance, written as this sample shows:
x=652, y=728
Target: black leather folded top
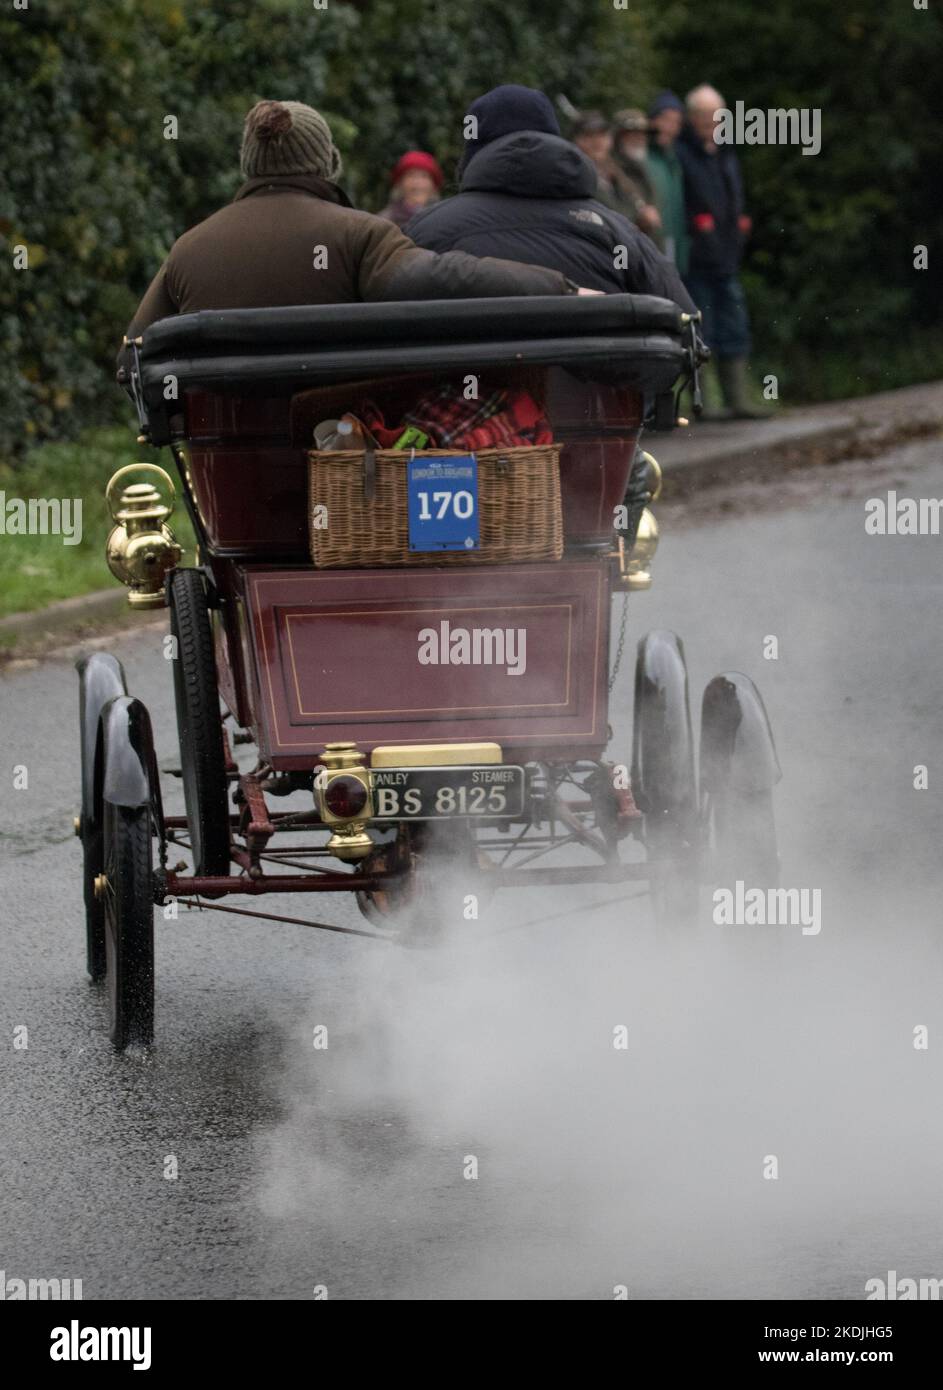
x=222, y=332
x=623, y=339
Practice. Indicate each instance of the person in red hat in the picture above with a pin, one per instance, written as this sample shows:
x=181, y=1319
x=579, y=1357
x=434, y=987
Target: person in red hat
x=416, y=182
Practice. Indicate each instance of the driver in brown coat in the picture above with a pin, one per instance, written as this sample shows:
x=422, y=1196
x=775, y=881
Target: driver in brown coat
x=290, y=236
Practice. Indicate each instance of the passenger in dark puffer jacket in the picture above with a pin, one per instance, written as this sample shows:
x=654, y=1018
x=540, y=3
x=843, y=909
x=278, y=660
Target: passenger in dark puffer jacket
x=527, y=195
x=290, y=236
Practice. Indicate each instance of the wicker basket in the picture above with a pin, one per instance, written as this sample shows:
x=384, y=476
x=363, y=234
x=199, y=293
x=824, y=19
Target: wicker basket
x=520, y=517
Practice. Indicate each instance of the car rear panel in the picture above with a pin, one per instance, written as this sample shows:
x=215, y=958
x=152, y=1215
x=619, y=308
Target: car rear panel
x=515, y=655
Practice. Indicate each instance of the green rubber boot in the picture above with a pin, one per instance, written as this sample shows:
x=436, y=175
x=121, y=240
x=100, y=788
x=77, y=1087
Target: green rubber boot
x=735, y=384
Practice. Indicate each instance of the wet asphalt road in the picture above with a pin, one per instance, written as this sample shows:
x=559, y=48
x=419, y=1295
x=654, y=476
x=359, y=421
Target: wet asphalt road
x=345, y=1167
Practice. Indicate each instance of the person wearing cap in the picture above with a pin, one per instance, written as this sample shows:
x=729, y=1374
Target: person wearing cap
x=290, y=236
x=719, y=226
x=666, y=118
x=630, y=149
x=594, y=135
x=416, y=181
x=526, y=194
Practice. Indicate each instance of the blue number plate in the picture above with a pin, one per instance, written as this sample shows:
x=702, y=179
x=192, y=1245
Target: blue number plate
x=443, y=503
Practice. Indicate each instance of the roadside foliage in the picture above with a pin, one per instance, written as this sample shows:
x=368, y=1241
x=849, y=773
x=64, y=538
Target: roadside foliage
x=97, y=182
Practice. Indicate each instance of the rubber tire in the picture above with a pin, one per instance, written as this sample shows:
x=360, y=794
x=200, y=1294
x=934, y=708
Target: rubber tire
x=129, y=925
x=743, y=832
x=674, y=884
x=412, y=906
x=101, y=676
x=669, y=827
x=199, y=725
x=93, y=863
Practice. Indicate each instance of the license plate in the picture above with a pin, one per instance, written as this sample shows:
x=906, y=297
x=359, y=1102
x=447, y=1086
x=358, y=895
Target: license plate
x=428, y=793
x=442, y=502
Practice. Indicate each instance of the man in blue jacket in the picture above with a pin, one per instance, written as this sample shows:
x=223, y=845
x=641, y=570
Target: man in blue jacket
x=719, y=226
x=527, y=195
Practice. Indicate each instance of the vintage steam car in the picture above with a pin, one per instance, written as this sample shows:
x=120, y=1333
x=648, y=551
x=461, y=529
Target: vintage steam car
x=415, y=641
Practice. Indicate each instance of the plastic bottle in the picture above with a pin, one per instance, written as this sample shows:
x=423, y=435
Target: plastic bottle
x=337, y=434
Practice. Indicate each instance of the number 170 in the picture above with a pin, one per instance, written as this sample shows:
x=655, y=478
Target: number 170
x=462, y=505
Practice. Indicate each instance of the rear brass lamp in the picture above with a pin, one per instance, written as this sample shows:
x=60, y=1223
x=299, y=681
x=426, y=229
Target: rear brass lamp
x=342, y=788
x=141, y=549
x=637, y=572
x=635, y=561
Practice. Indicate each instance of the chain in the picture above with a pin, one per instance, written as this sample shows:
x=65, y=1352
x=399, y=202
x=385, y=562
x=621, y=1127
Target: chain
x=620, y=647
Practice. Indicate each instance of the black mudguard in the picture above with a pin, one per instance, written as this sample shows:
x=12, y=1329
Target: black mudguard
x=663, y=768
x=737, y=748
x=126, y=761
x=101, y=679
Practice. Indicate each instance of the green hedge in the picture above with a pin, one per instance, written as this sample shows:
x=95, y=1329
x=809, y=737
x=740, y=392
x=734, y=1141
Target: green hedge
x=90, y=185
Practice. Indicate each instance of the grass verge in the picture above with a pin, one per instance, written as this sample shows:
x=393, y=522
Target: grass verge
x=36, y=570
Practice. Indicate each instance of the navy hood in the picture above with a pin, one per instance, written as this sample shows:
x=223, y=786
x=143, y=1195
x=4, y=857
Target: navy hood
x=531, y=164
x=504, y=110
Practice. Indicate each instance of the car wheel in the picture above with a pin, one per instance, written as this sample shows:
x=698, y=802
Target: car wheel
x=199, y=724
x=93, y=864
x=664, y=780
x=127, y=897
x=743, y=837
x=101, y=679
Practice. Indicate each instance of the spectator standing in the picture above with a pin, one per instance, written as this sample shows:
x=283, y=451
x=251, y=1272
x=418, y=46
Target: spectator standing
x=416, y=181
x=631, y=153
x=719, y=226
x=594, y=136
x=666, y=118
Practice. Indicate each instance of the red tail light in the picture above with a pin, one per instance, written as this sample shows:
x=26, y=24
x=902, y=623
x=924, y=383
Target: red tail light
x=345, y=797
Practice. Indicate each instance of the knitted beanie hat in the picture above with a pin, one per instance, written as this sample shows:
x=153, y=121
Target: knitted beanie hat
x=504, y=111
x=417, y=159
x=287, y=137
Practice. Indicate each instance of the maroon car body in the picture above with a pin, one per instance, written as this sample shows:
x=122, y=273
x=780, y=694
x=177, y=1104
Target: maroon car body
x=500, y=763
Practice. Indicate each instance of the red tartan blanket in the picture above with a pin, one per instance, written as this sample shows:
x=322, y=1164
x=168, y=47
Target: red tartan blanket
x=502, y=419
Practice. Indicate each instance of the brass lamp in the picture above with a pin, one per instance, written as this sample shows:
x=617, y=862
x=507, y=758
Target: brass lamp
x=635, y=560
x=345, y=802
x=141, y=548
x=637, y=571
